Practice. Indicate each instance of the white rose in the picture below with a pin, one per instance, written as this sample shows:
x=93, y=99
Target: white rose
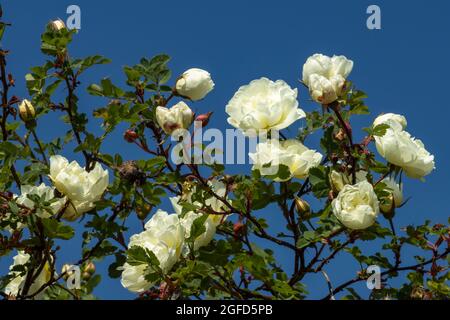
x=290, y=153
x=356, y=206
x=16, y=284
x=298, y=158
x=395, y=121
x=82, y=188
x=339, y=179
x=194, y=84
x=402, y=150
x=396, y=198
x=46, y=194
x=57, y=25
x=180, y=116
x=264, y=105
x=266, y=157
x=325, y=77
x=211, y=222
x=164, y=236
x=325, y=90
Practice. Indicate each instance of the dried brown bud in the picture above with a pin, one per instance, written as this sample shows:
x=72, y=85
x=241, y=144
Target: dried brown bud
x=130, y=172
x=11, y=80
x=340, y=135
x=130, y=136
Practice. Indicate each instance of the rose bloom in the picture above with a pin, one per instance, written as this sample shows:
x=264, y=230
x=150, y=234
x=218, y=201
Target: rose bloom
x=17, y=283
x=46, y=194
x=82, y=188
x=180, y=116
x=402, y=150
x=194, y=84
x=395, y=121
x=164, y=236
x=356, y=206
x=264, y=105
x=339, y=179
x=290, y=153
x=211, y=222
x=325, y=76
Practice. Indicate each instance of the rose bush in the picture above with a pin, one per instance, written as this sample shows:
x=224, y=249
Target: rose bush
x=226, y=232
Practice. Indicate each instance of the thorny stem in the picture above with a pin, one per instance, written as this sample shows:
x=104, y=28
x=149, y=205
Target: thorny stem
x=335, y=107
x=387, y=272
x=5, y=108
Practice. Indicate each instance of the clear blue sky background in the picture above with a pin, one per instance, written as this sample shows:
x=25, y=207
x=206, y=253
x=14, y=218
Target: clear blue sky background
x=402, y=67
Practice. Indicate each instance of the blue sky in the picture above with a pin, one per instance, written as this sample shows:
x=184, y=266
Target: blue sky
x=402, y=67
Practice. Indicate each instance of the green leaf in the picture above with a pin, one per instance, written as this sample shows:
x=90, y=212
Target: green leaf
x=318, y=178
x=137, y=255
x=114, y=268
x=198, y=227
x=307, y=238
x=380, y=130
x=56, y=229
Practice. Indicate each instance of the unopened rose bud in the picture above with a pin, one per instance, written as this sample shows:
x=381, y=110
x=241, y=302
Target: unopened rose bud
x=89, y=268
x=387, y=207
x=26, y=111
x=194, y=84
x=238, y=227
x=130, y=136
x=11, y=80
x=302, y=207
x=204, y=119
x=86, y=276
x=143, y=211
x=57, y=25
x=393, y=200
